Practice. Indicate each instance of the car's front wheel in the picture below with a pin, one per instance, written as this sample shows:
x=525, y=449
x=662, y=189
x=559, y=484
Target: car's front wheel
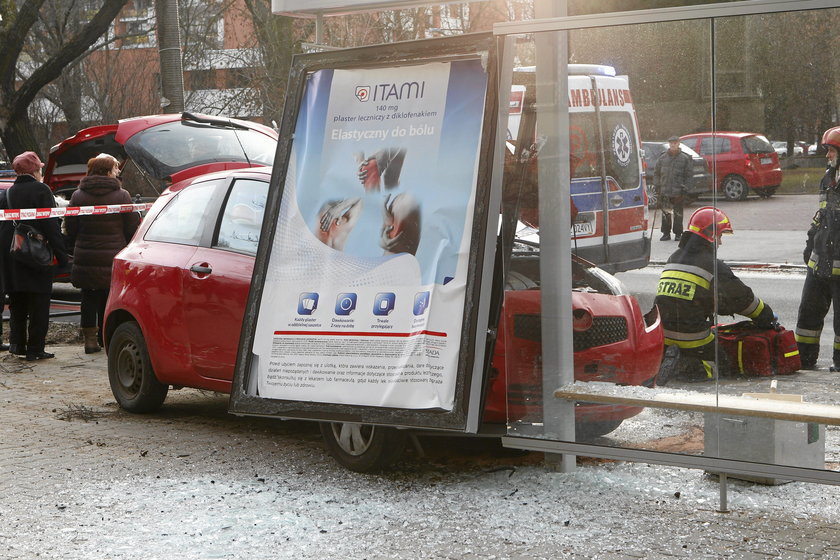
x=735, y=187
x=362, y=447
x=587, y=431
x=133, y=381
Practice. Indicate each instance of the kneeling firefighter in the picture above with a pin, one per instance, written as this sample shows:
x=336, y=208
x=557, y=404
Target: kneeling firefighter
x=686, y=295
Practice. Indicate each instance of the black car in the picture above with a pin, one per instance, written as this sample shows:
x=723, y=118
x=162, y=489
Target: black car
x=701, y=182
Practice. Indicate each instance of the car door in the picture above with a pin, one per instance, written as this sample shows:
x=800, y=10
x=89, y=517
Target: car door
x=218, y=277
x=151, y=273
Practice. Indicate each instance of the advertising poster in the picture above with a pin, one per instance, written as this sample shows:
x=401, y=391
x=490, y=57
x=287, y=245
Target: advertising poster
x=364, y=291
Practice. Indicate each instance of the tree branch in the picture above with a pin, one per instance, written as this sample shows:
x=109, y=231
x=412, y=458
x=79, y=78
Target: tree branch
x=76, y=47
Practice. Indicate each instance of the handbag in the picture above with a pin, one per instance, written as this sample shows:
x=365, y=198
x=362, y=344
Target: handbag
x=30, y=248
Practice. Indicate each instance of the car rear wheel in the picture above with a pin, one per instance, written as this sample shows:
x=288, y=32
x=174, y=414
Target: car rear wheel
x=362, y=447
x=766, y=192
x=130, y=372
x=735, y=187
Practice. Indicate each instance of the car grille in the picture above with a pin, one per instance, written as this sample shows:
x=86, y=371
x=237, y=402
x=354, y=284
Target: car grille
x=604, y=330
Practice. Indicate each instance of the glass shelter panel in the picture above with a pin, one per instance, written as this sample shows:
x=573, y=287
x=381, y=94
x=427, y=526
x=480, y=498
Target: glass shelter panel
x=647, y=145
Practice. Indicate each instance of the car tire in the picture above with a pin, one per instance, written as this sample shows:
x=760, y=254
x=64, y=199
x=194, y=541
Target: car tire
x=766, y=192
x=362, y=447
x=735, y=187
x=587, y=431
x=130, y=373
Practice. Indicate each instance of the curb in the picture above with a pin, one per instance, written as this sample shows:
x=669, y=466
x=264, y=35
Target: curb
x=763, y=267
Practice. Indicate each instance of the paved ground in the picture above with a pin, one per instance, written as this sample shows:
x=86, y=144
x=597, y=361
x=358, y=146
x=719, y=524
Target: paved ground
x=766, y=230
x=83, y=479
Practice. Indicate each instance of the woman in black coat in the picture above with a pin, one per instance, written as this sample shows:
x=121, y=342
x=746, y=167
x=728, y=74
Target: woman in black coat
x=29, y=288
x=96, y=240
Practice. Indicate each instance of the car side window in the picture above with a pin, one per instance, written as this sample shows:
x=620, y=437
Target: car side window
x=710, y=146
x=242, y=218
x=182, y=221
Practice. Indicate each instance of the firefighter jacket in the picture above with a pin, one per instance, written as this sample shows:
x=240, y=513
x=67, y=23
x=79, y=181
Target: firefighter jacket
x=686, y=290
x=822, y=250
x=673, y=173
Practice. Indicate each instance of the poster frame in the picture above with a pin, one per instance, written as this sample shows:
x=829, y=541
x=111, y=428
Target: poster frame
x=471, y=366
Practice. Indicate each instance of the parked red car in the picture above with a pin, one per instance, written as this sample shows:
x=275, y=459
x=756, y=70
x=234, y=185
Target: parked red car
x=740, y=160
x=180, y=288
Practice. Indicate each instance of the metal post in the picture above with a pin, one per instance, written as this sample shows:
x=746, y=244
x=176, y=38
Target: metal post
x=722, y=481
x=319, y=28
x=555, y=249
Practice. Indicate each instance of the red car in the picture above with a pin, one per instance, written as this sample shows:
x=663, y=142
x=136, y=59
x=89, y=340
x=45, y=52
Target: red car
x=159, y=150
x=180, y=288
x=741, y=161
x=7, y=178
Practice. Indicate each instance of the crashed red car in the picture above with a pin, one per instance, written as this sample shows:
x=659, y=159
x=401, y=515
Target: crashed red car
x=158, y=150
x=179, y=292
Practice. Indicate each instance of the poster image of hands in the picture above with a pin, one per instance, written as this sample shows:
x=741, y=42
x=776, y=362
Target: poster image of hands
x=366, y=279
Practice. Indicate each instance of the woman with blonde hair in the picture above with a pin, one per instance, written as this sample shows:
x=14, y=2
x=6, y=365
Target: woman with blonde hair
x=96, y=240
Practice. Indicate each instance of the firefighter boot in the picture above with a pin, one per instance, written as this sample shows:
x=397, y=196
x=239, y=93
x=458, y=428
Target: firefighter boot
x=836, y=366
x=91, y=345
x=808, y=355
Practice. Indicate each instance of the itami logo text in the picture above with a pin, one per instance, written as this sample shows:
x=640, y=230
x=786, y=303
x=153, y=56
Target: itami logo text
x=392, y=92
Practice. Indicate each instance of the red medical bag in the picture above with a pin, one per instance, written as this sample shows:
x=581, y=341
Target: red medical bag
x=753, y=351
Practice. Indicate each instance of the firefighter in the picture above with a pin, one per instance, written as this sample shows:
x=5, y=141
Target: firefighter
x=692, y=279
x=822, y=255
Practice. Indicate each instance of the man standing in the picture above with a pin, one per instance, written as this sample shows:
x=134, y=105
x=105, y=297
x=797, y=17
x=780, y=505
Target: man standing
x=670, y=177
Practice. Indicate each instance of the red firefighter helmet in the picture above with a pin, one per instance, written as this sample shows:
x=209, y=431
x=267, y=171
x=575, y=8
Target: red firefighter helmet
x=708, y=221
x=831, y=137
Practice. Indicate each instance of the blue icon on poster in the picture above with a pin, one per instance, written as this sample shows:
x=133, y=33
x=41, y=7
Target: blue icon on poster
x=384, y=303
x=307, y=303
x=345, y=303
x=421, y=302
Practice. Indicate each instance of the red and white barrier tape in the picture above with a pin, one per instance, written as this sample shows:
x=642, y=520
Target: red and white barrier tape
x=41, y=213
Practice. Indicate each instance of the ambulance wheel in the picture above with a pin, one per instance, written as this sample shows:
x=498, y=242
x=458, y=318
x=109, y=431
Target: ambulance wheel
x=133, y=381
x=587, y=431
x=362, y=447
x=735, y=187
x=652, y=196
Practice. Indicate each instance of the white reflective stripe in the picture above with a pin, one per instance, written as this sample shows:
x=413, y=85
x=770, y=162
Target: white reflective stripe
x=701, y=272
x=751, y=307
x=808, y=332
x=674, y=335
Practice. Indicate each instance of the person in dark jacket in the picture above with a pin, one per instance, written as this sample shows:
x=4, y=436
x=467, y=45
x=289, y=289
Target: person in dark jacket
x=821, y=289
x=6, y=229
x=96, y=240
x=692, y=279
x=671, y=175
x=29, y=288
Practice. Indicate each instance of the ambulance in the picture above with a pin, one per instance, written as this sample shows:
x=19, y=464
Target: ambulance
x=609, y=201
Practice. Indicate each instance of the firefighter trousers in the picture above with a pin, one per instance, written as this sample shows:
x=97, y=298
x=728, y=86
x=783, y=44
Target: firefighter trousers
x=818, y=295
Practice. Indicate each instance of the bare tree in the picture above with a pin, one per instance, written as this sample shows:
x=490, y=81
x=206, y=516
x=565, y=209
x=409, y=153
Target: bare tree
x=21, y=80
